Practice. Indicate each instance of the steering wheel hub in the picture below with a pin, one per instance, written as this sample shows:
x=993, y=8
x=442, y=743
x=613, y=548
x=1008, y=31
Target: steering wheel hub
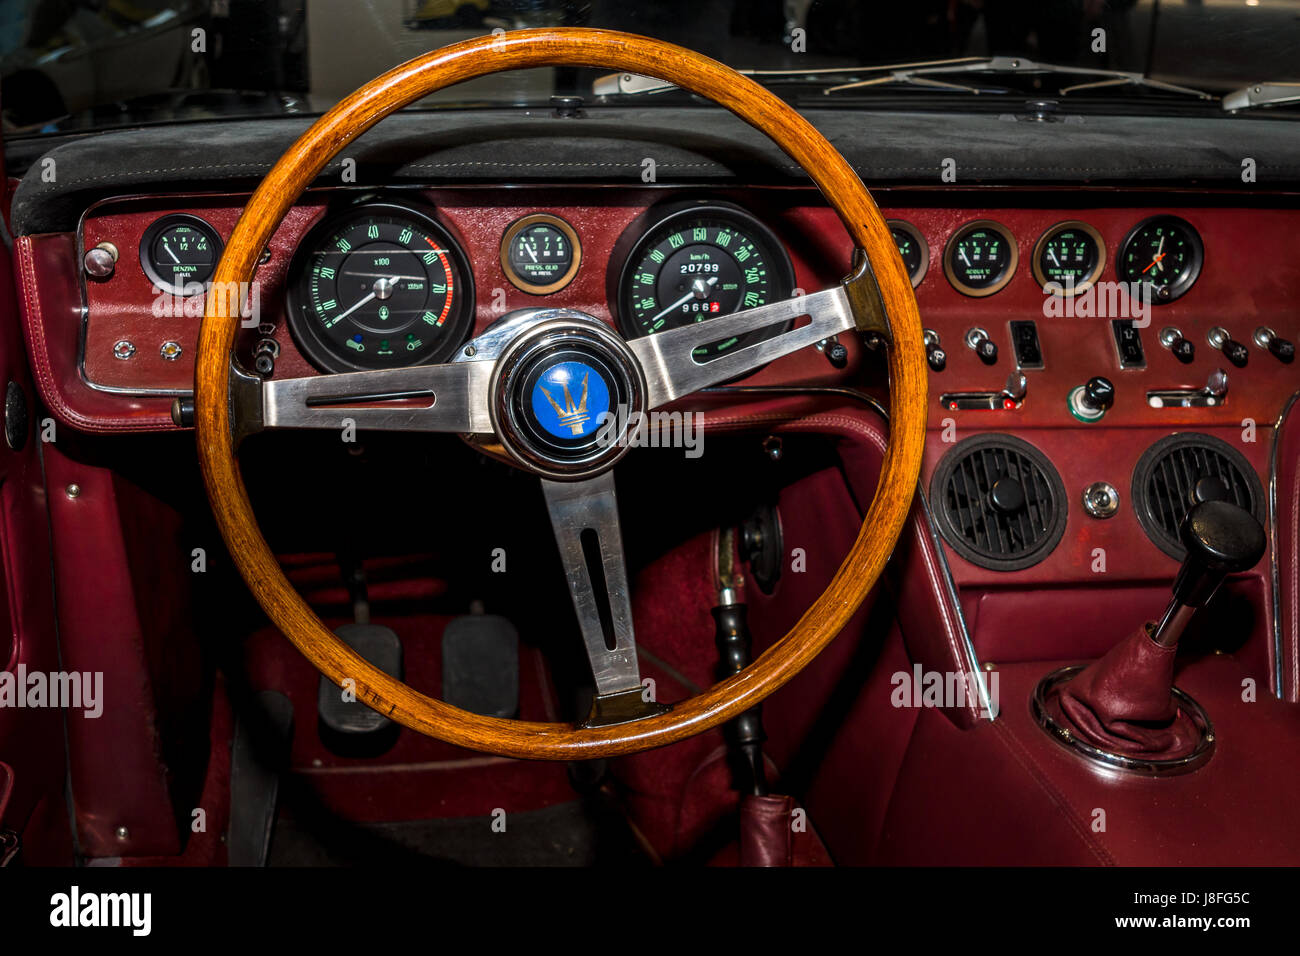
x=565, y=392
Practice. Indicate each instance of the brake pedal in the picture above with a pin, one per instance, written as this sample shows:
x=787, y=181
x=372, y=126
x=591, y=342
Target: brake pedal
x=349, y=725
x=480, y=665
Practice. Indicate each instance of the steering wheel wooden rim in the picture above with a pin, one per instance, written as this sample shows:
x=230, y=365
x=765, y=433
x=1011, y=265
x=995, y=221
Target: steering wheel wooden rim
x=601, y=49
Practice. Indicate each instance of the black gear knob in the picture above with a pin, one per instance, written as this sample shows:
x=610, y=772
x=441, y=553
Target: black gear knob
x=1221, y=539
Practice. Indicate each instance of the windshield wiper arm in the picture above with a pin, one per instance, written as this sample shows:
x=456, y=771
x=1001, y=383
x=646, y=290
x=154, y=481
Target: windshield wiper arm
x=1016, y=64
x=633, y=84
x=1261, y=94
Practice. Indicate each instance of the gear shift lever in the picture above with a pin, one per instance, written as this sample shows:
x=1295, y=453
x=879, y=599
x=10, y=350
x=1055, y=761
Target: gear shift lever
x=1123, y=710
x=1220, y=539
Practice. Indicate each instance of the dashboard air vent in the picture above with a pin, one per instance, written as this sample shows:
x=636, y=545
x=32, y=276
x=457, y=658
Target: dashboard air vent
x=1180, y=470
x=999, y=502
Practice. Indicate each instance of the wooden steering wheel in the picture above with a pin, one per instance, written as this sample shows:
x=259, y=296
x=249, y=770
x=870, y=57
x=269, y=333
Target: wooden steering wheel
x=489, y=390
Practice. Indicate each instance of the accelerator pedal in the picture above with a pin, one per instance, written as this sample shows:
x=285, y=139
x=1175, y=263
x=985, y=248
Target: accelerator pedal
x=259, y=754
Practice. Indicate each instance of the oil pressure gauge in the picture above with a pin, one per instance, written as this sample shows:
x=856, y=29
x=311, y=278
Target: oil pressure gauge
x=540, y=254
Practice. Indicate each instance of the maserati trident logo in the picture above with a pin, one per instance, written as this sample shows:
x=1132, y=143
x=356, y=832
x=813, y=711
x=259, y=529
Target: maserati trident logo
x=554, y=405
x=570, y=417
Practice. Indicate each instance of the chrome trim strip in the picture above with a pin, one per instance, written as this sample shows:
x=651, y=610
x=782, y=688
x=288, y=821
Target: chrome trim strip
x=1279, y=685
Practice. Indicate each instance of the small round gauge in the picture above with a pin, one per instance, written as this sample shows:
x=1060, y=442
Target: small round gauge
x=1069, y=257
x=1164, y=254
x=699, y=262
x=380, y=286
x=913, y=248
x=540, y=253
x=980, y=258
x=179, y=253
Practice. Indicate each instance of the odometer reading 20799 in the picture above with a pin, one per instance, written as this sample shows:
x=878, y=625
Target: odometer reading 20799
x=697, y=263
x=378, y=287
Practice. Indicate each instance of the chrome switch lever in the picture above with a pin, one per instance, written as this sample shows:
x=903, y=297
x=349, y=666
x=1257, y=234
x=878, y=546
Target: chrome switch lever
x=1214, y=393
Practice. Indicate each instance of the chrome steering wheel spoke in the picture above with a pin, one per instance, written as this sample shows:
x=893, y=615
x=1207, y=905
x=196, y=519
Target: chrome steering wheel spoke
x=671, y=369
x=422, y=398
x=584, y=517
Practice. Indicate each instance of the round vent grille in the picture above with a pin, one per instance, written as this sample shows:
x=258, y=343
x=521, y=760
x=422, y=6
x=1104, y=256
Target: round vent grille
x=999, y=502
x=1178, y=471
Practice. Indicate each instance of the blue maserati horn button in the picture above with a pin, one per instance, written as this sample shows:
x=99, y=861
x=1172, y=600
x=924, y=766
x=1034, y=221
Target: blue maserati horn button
x=569, y=398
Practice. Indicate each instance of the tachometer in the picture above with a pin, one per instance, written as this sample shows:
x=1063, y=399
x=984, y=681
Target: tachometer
x=699, y=262
x=380, y=286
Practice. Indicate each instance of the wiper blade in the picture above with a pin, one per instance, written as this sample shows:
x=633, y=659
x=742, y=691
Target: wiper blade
x=1261, y=94
x=1004, y=65
x=634, y=84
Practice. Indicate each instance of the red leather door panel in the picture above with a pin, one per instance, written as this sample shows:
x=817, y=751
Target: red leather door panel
x=31, y=739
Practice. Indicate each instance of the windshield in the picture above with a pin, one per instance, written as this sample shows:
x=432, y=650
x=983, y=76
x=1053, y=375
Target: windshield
x=85, y=64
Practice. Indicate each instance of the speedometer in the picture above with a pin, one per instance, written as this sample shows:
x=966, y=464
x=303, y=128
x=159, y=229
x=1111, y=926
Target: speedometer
x=698, y=262
x=380, y=286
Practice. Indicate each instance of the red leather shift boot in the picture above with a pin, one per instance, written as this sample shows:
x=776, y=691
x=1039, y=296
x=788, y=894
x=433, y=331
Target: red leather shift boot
x=1123, y=702
x=765, y=835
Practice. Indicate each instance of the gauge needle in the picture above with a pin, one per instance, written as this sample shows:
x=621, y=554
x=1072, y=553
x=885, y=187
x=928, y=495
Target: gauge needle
x=1051, y=254
x=531, y=252
x=962, y=253
x=1160, y=254
x=344, y=315
x=1156, y=261
x=683, y=300
x=170, y=253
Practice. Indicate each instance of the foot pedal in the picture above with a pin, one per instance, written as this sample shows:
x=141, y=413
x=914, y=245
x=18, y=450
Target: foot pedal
x=345, y=724
x=480, y=665
x=259, y=754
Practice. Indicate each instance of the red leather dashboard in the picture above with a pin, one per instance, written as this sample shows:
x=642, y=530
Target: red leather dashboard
x=1244, y=284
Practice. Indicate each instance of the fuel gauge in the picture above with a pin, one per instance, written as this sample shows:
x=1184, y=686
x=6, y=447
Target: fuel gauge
x=179, y=253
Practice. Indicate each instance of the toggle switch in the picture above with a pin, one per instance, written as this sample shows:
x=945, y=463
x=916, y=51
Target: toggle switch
x=934, y=353
x=1283, y=349
x=978, y=340
x=1235, y=352
x=1173, y=339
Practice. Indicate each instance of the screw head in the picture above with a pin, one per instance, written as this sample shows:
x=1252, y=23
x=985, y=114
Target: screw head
x=73, y=491
x=122, y=833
